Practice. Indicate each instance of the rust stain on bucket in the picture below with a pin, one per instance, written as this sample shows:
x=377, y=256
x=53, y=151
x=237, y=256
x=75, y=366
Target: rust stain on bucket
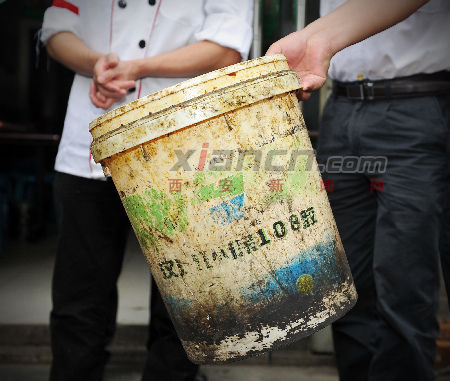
x=218, y=179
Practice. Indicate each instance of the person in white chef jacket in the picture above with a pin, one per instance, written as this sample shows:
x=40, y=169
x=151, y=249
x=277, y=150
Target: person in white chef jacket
x=120, y=50
x=391, y=100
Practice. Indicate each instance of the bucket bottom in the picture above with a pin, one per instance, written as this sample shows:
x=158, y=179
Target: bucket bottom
x=333, y=306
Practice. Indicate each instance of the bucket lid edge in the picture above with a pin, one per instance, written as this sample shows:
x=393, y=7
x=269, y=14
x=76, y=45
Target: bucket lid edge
x=121, y=110
x=122, y=138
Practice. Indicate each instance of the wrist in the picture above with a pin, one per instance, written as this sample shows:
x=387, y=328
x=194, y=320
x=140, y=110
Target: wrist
x=93, y=59
x=142, y=68
x=323, y=36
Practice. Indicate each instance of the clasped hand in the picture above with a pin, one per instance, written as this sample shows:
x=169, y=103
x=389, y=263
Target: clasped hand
x=112, y=80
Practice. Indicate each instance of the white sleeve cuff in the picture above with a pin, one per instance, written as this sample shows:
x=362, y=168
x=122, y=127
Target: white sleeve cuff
x=59, y=20
x=229, y=24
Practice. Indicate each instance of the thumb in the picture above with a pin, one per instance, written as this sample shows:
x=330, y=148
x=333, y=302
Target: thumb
x=275, y=48
x=312, y=82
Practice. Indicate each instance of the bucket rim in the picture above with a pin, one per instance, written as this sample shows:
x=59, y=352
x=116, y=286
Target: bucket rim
x=206, y=106
x=198, y=80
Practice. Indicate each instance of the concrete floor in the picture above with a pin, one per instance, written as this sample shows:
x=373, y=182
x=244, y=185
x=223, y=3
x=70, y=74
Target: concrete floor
x=25, y=280
x=218, y=373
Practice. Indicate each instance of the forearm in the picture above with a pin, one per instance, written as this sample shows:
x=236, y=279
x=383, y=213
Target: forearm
x=188, y=61
x=356, y=20
x=68, y=49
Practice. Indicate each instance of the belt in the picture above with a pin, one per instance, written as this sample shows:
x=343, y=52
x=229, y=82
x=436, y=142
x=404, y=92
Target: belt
x=402, y=87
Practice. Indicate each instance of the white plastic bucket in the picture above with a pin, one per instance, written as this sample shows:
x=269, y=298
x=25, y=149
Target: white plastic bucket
x=220, y=184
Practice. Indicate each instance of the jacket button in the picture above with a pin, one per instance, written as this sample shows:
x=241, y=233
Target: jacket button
x=142, y=44
x=152, y=2
x=122, y=3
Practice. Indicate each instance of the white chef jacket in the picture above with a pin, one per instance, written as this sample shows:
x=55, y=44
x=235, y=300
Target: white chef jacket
x=135, y=29
x=418, y=44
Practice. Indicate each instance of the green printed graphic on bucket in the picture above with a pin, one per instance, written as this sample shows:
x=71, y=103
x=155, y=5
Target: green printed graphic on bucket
x=156, y=215
x=223, y=187
x=220, y=183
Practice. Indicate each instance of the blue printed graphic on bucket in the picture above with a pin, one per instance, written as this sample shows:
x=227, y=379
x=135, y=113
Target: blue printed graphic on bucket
x=228, y=211
x=177, y=305
x=307, y=272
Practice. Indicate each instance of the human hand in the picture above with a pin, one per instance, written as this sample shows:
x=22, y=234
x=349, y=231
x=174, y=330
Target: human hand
x=111, y=81
x=308, y=56
x=98, y=99
x=112, y=76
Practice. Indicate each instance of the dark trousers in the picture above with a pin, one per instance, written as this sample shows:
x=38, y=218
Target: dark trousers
x=94, y=228
x=445, y=234
x=389, y=223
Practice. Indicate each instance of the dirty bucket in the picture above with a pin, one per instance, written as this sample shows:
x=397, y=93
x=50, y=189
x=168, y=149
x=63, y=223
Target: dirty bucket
x=219, y=181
